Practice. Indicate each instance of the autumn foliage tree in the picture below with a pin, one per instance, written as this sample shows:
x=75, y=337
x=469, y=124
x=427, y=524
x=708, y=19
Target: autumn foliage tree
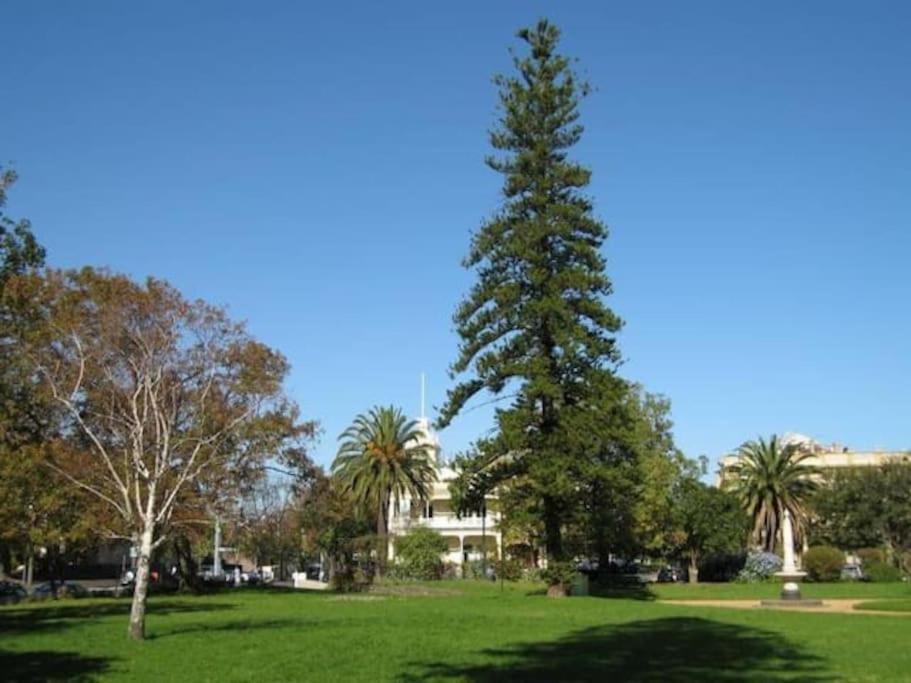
x=163, y=392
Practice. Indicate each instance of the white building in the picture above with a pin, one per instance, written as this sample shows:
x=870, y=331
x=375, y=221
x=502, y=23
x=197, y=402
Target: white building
x=467, y=535
x=827, y=458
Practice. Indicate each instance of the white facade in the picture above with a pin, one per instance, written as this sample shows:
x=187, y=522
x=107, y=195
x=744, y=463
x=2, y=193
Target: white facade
x=466, y=536
x=826, y=458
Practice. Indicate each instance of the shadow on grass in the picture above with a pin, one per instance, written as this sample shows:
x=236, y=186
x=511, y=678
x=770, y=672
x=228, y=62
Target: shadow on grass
x=239, y=625
x=56, y=616
x=624, y=591
x=618, y=591
x=28, y=667
x=669, y=650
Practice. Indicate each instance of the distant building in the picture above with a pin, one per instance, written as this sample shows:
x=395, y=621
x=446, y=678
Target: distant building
x=467, y=535
x=826, y=457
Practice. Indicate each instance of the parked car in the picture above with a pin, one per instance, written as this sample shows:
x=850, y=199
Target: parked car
x=669, y=575
x=11, y=593
x=853, y=572
x=59, y=589
x=251, y=578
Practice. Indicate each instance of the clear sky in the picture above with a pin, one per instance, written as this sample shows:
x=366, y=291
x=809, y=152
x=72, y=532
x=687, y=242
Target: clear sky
x=317, y=167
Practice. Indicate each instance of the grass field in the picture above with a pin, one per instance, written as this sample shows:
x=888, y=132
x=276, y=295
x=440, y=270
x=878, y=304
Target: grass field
x=886, y=606
x=454, y=631
x=745, y=591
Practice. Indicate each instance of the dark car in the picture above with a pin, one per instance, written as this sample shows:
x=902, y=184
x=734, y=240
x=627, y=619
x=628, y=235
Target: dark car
x=59, y=589
x=669, y=575
x=11, y=593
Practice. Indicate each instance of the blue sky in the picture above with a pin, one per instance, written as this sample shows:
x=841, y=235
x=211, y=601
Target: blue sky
x=318, y=169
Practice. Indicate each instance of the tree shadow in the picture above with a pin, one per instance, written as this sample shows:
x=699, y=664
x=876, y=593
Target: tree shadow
x=674, y=650
x=239, y=625
x=615, y=591
x=28, y=667
x=622, y=591
x=58, y=616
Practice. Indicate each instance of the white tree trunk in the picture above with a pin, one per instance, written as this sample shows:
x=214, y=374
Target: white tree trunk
x=141, y=589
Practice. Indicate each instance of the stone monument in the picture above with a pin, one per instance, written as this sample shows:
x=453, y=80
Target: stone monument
x=790, y=574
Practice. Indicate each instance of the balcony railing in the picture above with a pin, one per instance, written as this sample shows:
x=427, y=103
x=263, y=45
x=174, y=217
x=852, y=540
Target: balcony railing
x=444, y=521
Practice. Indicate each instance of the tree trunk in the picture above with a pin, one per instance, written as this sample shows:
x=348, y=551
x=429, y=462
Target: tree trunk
x=552, y=532
x=382, y=540
x=30, y=569
x=187, y=568
x=694, y=570
x=141, y=589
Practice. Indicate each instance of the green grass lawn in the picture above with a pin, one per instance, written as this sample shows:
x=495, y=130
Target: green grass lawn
x=886, y=605
x=459, y=631
x=745, y=591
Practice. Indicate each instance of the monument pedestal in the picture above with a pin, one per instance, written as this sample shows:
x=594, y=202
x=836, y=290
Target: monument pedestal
x=790, y=574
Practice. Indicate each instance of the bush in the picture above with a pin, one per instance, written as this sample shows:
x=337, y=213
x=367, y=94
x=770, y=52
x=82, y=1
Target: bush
x=759, y=566
x=419, y=554
x=509, y=569
x=474, y=569
x=559, y=575
x=868, y=555
x=721, y=566
x=881, y=571
x=823, y=563
x=350, y=579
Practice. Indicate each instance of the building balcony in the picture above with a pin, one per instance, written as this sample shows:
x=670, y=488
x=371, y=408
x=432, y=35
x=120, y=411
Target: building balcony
x=444, y=522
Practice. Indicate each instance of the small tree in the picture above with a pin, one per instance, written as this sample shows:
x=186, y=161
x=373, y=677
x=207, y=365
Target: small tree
x=420, y=553
x=709, y=521
x=333, y=528
x=163, y=392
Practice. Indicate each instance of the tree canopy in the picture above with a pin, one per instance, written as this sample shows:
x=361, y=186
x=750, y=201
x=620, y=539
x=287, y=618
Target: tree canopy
x=167, y=397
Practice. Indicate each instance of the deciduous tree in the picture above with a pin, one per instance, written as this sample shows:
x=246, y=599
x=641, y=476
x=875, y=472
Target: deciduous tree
x=164, y=392
x=868, y=507
x=709, y=520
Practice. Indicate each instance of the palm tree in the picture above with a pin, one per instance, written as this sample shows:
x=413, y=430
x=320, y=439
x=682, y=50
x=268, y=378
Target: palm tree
x=769, y=478
x=382, y=457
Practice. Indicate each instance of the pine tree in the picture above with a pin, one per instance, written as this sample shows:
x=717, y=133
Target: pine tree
x=536, y=323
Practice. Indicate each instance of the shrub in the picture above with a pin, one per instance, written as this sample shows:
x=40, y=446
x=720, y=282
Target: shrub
x=509, y=569
x=823, y=563
x=474, y=569
x=350, y=579
x=559, y=576
x=868, y=555
x=759, y=566
x=721, y=566
x=881, y=571
x=419, y=554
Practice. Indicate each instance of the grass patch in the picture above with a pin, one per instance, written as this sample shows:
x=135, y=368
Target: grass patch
x=764, y=591
x=469, y=631
x=886, y=605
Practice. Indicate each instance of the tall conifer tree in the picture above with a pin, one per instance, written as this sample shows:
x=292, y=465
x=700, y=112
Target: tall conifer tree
x=535, y=323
